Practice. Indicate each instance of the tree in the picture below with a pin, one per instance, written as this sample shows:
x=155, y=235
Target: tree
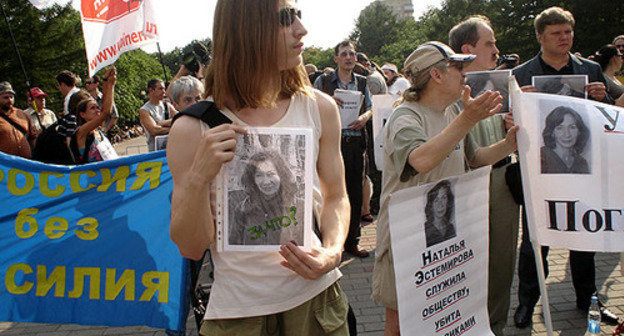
x=322, y=58
x=134, y=69
x=376, y=27
x=49, y=41
x=409, y=38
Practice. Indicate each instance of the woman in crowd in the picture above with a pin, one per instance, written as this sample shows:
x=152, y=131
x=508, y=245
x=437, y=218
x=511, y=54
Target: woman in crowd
x=85, y=141
x=565, y=137
x=270, y=192
x=396, y=83
x=610, y=59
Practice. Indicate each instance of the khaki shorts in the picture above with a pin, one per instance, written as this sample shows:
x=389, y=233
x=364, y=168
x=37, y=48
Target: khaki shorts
x=384, y=285
x=325, y=314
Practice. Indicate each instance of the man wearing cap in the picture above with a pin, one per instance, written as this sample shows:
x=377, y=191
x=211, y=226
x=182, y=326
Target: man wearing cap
x=353, y=142
x=475, y=36
x=425, y=141
x=17, y=136
x=554, y=28
x=40, y=117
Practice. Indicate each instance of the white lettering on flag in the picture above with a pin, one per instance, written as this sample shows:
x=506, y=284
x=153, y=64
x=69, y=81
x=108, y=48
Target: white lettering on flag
x=112, y=27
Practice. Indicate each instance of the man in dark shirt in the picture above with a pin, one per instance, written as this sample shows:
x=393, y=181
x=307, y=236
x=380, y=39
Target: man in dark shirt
x=555, y=32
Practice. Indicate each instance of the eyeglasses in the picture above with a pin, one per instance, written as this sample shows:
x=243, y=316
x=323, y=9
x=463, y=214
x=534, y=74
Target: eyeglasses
x=287, y=16
x=346, y=53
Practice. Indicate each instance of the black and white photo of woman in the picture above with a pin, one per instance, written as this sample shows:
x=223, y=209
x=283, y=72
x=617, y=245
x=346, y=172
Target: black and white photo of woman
x=565, y=138
x=440, y=214
x=261, y=214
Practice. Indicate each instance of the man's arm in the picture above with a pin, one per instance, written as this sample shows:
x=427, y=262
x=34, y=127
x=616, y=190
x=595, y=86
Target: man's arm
x=195, y=159
x=335, y=213
x=491, y=154
x=427, y=156
x=151, y=126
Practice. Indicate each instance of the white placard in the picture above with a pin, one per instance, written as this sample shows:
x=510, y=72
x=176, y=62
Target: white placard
x=440, y=249
x=265, y=192
x=351, y=104
x=382, y=109
x=572, y=163
x=112, y=27
x=106, y=150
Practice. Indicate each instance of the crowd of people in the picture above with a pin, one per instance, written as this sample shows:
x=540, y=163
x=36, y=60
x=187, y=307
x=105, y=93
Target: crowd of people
x=257, y=78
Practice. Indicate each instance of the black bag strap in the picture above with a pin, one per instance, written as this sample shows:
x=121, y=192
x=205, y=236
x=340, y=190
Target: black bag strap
x=206, y=111
x=16, y=125
x=167, y=114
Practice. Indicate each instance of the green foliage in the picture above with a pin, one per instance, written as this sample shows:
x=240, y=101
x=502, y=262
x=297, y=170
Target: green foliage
x=376, y=27
x=134, y=69
x=322, y=58
x=49, y=41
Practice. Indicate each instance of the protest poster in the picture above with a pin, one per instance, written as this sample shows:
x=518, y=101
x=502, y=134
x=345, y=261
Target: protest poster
x=495, y=80
x=112, y=27
x=382, y=108
x=564, y=85
x=440, y=248
x=90, y=244
x=351, y=104
x=571, y=164
x=265, y=193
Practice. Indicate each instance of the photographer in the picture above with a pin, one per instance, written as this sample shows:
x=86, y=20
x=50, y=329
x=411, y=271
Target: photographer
x=508, y=61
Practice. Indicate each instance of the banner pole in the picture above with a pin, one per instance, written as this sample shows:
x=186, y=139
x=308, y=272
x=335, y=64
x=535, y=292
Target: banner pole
x=541, y=278
x=19, y=57
x=160, y=56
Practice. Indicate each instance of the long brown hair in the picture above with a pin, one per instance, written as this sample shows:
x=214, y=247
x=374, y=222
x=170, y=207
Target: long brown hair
x=245, y=71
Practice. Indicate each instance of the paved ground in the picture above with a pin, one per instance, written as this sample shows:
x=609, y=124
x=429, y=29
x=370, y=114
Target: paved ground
x=568, y=321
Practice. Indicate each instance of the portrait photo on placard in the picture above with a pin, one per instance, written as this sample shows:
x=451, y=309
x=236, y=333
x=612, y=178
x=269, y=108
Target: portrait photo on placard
x=497, y=80
x=265, y=190
x=563, y=85
x=565, y=142
x=160, y=141
x=440, y=214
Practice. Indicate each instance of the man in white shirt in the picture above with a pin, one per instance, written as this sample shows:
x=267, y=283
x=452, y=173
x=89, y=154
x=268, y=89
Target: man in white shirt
x=66, y=81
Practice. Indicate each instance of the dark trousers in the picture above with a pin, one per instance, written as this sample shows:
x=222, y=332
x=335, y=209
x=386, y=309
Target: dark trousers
x=352, y=148
x=371, y=169
x=581, y=264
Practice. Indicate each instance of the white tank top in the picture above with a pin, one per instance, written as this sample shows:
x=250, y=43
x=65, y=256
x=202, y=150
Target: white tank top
x=254, y=283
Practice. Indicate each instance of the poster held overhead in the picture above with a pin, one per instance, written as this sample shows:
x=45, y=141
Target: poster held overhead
x=112, y=27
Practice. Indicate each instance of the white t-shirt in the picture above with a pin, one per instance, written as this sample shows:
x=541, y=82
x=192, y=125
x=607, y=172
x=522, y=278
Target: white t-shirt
x=254, y=283
x=400, y=85
x=66, y=102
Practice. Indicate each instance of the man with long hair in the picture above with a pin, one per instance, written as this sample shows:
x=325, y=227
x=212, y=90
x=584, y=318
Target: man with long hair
x=257, y=79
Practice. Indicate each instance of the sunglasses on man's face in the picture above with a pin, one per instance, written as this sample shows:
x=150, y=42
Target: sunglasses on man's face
x=288, y=15
x=619, y=46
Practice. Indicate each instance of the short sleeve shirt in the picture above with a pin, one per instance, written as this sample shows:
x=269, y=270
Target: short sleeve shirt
x=47, y=118
x=409, y=127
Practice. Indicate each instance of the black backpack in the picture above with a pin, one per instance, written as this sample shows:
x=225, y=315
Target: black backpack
x=51, y=147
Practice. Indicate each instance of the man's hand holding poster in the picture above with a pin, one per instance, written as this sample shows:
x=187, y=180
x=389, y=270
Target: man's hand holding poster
x=440, y=248
x=572, y=163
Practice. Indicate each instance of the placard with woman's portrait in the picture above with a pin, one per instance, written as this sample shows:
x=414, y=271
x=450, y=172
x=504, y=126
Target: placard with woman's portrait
x=266, y=191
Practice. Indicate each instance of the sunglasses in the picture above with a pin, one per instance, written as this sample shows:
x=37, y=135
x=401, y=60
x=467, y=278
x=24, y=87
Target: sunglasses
x=288, y=15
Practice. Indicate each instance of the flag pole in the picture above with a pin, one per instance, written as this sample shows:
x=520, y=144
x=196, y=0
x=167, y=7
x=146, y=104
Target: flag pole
x=160, y=56
x=19, y=57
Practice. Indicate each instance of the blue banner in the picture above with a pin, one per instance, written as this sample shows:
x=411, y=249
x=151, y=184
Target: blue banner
x=90, y=244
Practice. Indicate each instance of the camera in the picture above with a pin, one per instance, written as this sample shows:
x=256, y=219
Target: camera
x=196, y=57
x=510, y=60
